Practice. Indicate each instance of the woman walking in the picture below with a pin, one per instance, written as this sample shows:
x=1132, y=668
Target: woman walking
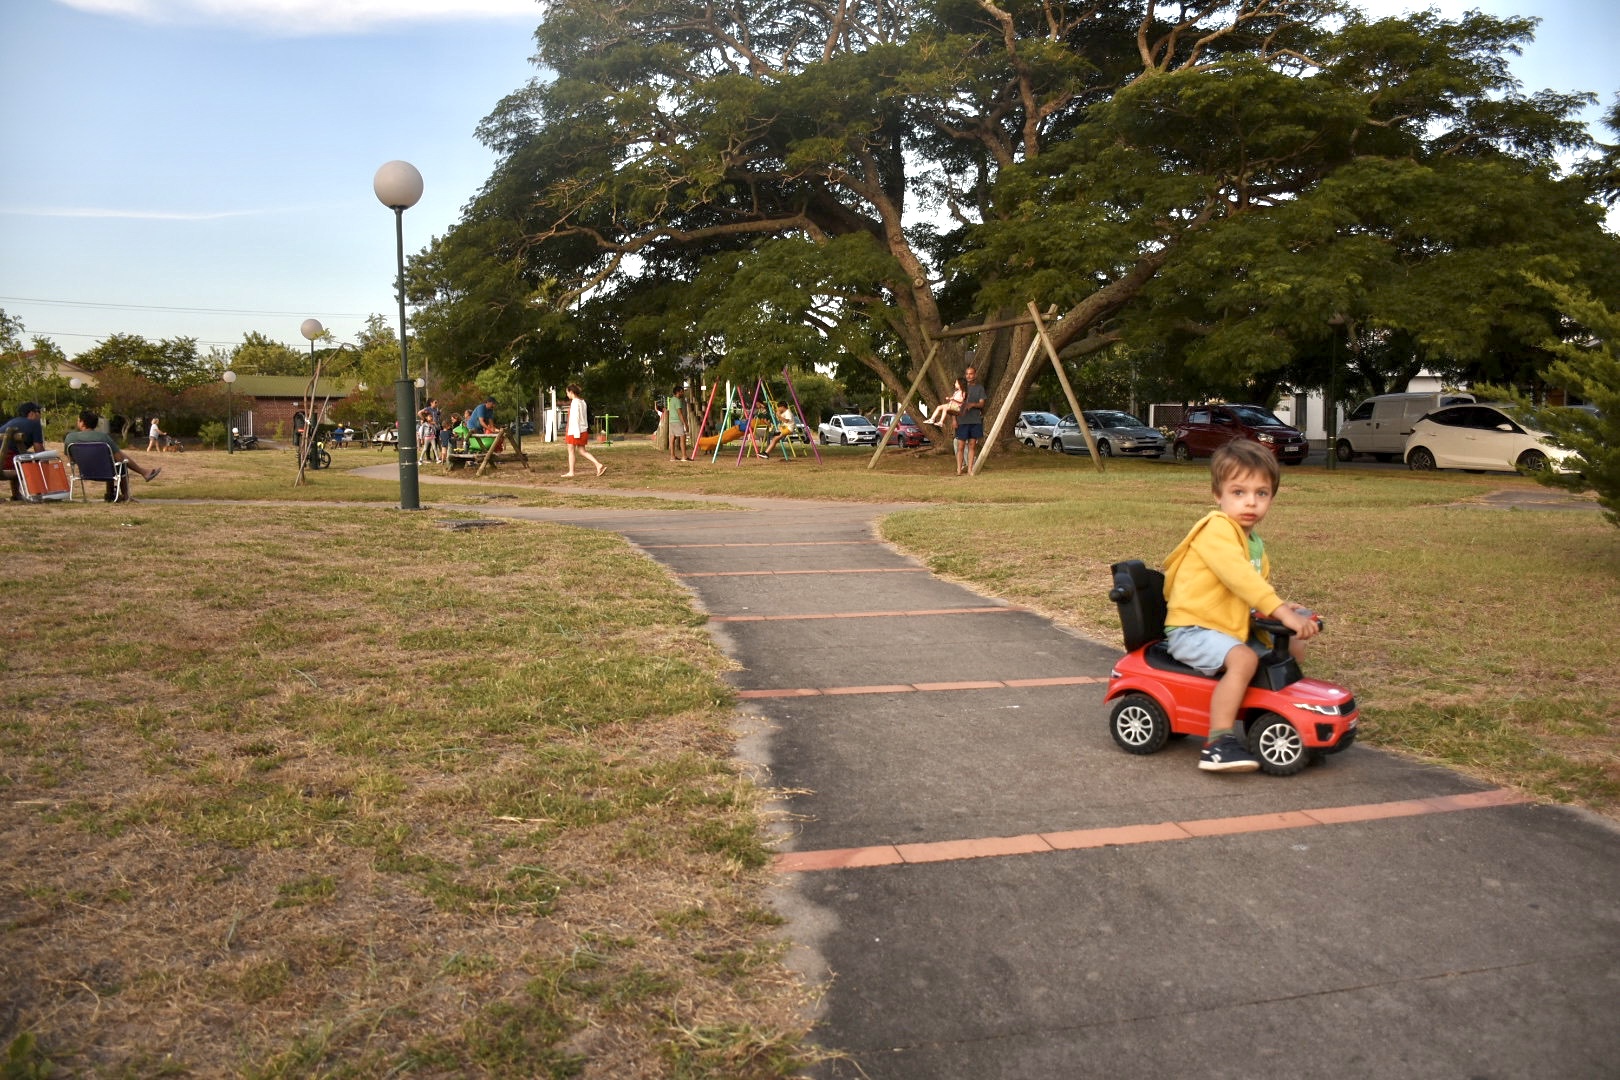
x=578, y=433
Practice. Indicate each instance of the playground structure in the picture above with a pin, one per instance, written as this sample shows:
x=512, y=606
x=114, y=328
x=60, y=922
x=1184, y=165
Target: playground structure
x=743, y=421
x=1041, y=341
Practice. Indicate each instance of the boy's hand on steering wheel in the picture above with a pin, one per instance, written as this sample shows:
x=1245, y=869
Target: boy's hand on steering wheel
x=1302, y=621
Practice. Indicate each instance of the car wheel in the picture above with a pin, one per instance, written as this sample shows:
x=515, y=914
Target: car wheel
x=1104, y=449
x=843, y=439
x=1277, y=744
x=1420, y=460
x=1030, y=443
x=1139, y=725
x=1345, y=451
x=1181, y=452
x=1532, y=461
x=1055, y=445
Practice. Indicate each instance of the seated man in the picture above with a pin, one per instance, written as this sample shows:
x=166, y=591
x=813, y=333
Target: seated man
x=87, y=433
x=21, y=435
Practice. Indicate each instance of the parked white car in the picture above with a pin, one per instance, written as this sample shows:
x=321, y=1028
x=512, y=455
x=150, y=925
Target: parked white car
x=1485, y=437
x=1380, y=425
x=848, y=428
x=1034, y=429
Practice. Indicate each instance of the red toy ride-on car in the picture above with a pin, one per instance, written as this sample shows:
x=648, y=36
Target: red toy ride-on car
x=1290, y=720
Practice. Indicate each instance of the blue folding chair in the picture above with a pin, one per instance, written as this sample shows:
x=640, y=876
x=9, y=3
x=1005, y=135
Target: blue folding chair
x=94, y=461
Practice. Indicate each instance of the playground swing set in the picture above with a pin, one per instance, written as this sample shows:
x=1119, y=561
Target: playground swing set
x=1042, y=341
x=744, y=421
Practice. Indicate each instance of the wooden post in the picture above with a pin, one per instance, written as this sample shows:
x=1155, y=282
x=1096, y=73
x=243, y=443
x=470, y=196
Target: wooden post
x=905, y=406
x=1068, y=391
x=1007, y=404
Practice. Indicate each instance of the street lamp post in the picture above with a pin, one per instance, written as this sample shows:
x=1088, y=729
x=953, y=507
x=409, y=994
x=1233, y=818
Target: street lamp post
x=1330, y=418
x=398, y=186
x=230, y=412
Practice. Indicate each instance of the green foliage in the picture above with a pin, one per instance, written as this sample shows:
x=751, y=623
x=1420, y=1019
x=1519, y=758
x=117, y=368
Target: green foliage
x=212, y=435
x=1588, y=368
x=768, y=186
x=172, y=363
x=258, y=355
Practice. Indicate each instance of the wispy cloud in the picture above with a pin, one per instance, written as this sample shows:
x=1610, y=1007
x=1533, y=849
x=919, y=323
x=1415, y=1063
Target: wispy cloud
x=308, y=17
x=128, y=215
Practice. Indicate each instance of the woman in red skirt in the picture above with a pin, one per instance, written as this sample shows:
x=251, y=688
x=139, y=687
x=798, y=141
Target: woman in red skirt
x=578, y=432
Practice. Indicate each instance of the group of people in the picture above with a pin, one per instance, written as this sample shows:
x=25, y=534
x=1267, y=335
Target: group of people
x=439, y=432
x=25, y=434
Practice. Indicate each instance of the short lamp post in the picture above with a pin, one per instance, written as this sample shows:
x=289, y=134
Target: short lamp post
x=230, y=412
x=398, y=186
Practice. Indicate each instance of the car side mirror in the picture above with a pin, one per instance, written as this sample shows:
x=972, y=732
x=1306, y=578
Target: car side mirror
x=1505, y=427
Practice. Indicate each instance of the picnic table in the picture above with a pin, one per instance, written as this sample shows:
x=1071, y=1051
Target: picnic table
x=486, y=451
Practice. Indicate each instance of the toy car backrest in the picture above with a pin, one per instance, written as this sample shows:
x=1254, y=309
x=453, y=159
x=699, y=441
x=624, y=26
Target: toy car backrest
x=1139, y=594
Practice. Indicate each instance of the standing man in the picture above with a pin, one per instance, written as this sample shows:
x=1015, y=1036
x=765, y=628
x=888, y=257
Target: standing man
x=23, y=434
x=970, y=422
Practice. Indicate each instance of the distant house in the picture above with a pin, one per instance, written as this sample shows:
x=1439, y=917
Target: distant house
x=270, y=402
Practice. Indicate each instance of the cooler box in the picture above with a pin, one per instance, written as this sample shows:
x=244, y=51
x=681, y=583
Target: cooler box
x=42, y=476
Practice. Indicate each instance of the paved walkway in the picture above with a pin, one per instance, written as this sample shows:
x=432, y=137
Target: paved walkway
x=994, y=890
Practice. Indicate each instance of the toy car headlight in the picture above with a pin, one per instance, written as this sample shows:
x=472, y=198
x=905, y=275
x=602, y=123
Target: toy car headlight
x=1321, y=710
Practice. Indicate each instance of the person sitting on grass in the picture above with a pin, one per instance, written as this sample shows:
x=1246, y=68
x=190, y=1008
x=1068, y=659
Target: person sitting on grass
x=1213, y=579
x=88, y=432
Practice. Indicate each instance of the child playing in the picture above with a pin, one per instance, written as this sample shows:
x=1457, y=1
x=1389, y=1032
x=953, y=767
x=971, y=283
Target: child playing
x=1213, y=579
x=953, y=404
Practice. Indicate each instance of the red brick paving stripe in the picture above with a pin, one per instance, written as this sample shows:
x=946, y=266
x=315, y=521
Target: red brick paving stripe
x=892, y=688
x=752, y=695
x=776, y=573
x=1035, y=843
x=1062, y=680
x=865, y=614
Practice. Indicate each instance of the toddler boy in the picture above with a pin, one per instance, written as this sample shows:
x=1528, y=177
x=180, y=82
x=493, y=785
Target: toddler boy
x=1213, y=579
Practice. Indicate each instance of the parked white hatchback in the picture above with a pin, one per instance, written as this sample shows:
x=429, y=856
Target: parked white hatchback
x=1485, y=437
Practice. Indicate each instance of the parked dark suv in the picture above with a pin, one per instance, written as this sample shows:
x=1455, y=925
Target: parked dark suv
x=1209, y=426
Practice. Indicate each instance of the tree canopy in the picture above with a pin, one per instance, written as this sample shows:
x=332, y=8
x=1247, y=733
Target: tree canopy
x=1236, y=189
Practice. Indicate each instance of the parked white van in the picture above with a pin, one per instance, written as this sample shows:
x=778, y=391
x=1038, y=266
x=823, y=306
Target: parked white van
x=1379, y=426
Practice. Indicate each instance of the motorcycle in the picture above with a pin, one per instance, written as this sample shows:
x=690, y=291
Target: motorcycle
x=243, y=442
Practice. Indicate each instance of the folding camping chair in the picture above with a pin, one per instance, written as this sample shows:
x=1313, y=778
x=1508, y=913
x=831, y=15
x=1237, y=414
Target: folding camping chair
x=94, y=461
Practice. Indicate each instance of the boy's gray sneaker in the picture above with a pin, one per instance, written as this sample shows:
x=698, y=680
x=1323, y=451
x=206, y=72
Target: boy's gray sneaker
x=1227, y=754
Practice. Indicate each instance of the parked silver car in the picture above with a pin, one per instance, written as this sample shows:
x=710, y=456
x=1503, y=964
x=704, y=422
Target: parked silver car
x=1034, y=429
x=847, y=428
x=1115, y=432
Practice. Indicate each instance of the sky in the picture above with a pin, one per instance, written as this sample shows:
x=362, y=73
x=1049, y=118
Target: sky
x=202, y=168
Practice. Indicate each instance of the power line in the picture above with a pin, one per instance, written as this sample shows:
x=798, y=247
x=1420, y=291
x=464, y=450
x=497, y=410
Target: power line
x=181, y=310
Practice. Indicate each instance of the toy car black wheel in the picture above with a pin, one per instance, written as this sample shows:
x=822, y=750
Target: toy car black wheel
x=1139, y=724
x=1277, y=744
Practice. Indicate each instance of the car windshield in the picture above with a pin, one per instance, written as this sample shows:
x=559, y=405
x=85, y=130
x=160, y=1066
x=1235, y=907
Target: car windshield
x=1114, y=419
x=1039, y=418
x=1256, y=417
x=857, y=421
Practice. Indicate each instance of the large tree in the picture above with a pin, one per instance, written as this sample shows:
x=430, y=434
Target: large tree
x=1242, y=188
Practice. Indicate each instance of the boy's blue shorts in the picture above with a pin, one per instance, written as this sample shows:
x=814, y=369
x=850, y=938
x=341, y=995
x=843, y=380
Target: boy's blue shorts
x=1205, y=650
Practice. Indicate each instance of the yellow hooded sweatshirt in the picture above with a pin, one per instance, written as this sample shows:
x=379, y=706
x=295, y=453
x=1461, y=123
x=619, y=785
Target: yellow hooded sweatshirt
x=1209, y=581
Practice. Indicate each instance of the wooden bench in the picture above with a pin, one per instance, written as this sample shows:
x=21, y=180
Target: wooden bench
x=486, y=451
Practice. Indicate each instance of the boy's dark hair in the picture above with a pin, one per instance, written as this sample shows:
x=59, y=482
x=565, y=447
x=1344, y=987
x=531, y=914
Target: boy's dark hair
x=1242, y=456
x=90, y=420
